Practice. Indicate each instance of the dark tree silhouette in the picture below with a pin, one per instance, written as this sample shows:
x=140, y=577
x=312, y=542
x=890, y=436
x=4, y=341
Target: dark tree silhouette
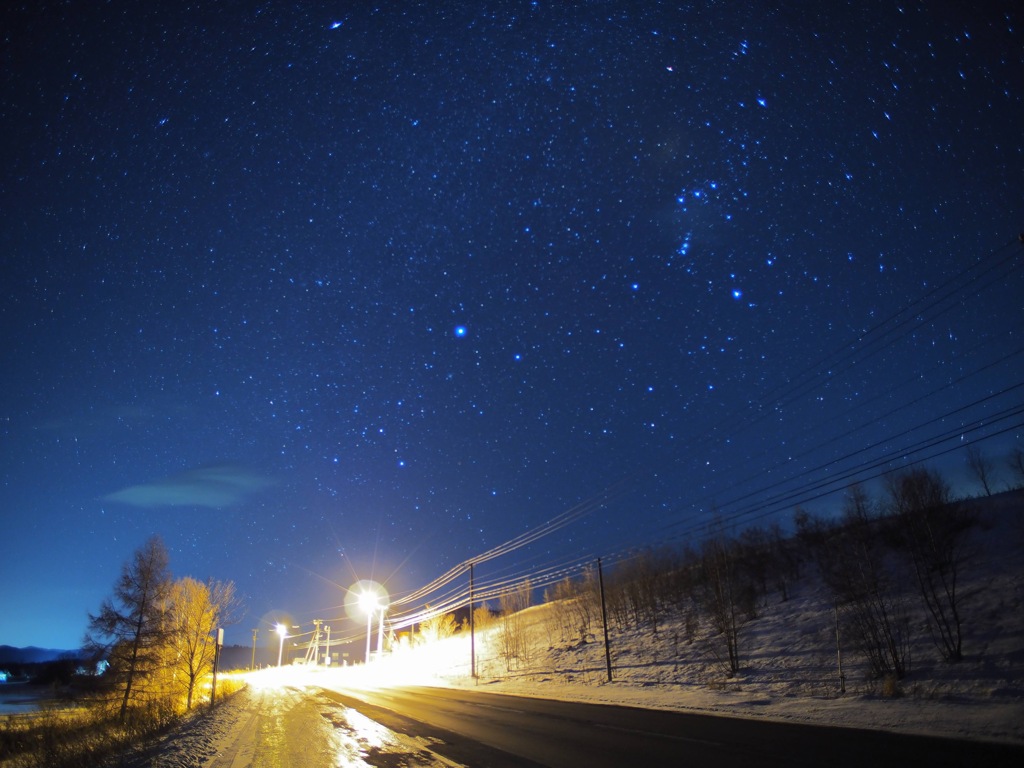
x=935, y=532
x=130, y=628
x=851, y=556
x=1015, y=461
x=981, y=467
x=728, y=596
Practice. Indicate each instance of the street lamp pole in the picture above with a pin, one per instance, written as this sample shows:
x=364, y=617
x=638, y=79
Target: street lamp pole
x=369, y=601
x=365, y=599
x=282, y=630
x=380, y=633
x=369, y=631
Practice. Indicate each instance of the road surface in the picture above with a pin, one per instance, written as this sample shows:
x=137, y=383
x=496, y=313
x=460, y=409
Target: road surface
x=527, y=731
x=312, y=727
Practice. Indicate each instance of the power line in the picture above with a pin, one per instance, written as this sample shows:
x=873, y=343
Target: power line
x=935, y=303
x=870, y=447
x=813, y=374
x=556, y=523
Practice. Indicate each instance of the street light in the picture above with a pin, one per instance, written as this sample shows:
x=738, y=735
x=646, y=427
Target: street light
x=368, y=602
x=363, y=599
x=282, y=630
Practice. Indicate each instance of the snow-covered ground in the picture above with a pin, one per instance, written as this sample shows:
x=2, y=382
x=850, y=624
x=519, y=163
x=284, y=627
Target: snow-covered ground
x=789, y=673
x=283, y=718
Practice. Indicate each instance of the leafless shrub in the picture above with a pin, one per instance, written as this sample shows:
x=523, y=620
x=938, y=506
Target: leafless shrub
x=578, y=606
x=852, y=559
x=727, y=598
x=512, y=640
x=438, y=627
x=934, y=531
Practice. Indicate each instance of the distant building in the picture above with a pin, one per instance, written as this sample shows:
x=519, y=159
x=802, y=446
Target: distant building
x=97, y=670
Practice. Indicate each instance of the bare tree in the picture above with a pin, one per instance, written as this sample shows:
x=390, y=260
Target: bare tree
x=440, y=626
x=784, y=560
x=851, y=556
x=130, y=628
x=512, y=628
x=482, y=616
x=682, y=570
x=196, y=610
x=981, y=467
x=573, y=608
x=728, y=596
x=935, y=532
x=1015, y=461
x=755, y=552
x=639, y=579
x=617, y=604
x=809, y=536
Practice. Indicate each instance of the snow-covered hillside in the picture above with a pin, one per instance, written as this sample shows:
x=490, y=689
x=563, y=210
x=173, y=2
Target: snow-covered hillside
x=788, y=655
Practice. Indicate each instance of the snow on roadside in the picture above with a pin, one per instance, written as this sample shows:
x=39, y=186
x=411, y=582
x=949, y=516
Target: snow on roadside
x=985, y=702
x=789, y=661
x=195, y=741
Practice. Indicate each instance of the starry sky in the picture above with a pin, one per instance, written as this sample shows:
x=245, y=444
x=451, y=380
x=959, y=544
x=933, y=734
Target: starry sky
x=321, y=292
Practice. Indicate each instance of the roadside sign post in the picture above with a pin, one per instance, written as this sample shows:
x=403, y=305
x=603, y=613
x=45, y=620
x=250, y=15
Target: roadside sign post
x=216, y=662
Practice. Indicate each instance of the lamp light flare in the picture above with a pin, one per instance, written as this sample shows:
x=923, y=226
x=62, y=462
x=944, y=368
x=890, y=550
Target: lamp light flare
x=369, y=601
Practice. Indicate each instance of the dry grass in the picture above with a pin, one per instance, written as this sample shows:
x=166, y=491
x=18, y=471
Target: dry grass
x=82, y=736
x=89, y=735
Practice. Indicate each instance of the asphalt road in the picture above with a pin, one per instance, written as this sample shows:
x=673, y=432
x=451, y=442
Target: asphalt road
x=483, y=730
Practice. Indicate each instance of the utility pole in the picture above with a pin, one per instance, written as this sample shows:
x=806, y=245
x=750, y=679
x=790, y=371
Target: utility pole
x=313, y=652
x=472, y=627
x=252, y=664
x=604, y=622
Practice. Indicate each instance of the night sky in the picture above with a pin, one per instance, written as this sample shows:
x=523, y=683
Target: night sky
x=326, y=292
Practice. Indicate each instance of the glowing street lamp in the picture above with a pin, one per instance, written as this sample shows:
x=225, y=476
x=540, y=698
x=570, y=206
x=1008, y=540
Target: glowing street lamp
x=364, y=599
x=282, y=630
